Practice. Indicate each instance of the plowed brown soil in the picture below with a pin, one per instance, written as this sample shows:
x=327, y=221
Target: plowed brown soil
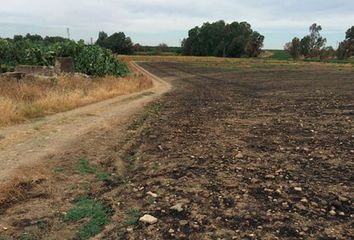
x=248, y=151
x=264, y=152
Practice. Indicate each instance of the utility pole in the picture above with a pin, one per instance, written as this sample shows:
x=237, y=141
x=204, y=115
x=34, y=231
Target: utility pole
x=68, y=32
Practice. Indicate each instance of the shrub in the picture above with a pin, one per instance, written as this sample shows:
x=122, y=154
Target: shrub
x=91, y=60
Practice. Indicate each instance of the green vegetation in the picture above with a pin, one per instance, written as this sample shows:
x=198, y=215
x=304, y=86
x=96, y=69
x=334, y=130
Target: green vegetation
x=133, y=217
x=131, y=160
x=161, y=49
x=5, y=237
x=88, y=59
x=118, y=43
x=279, y=55
x=151, y=110
x=96, y=212
x=223, y=40
x=83, y=167
x=312, y=47
x=346, y=48
x=139, y=122
x=28, y=236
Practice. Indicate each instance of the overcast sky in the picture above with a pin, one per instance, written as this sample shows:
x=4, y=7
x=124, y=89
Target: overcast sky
x=154, y=21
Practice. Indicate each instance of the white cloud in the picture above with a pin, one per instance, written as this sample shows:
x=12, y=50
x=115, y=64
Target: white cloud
x=86, y=17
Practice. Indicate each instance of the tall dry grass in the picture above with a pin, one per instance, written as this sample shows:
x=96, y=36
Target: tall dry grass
x=35, y=97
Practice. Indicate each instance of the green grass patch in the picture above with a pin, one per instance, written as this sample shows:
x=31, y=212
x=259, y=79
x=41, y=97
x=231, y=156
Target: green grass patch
x=28, y=236
x=5, y=237
x=132, y=157
x=151, y=110
x=279, y=55
x=58, y=170
x=139, y=122
x=133, y=216
x=97, y=213
x=84, y=167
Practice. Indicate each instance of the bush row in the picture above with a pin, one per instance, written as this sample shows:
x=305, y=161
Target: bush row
x=88, y=59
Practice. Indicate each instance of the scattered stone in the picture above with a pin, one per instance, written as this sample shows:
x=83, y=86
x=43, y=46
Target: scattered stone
x=285, y=205
x=298, y=189
x=130, y=229
x=148, y=219
x=304, y=200
x=178, y=207
x=154, y=195
x=341, y=214
x=300, y=206
x=195, y=226
x=171, y=231
x=343, y=199
x=333, y=213
x=183, y=222
x=269, y=176
x=239, y=155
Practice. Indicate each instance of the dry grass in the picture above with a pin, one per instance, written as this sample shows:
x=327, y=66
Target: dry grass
x=217, y=61
x=27, y=180
x=34, y=97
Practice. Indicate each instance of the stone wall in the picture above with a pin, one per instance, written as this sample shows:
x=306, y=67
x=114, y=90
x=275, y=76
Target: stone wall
x=64, y=65
x=35, y=70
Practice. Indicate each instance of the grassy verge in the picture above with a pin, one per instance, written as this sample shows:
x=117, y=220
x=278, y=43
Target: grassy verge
x=32, y=98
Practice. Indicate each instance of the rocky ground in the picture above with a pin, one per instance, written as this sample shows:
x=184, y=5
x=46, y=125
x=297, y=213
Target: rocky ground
x=264, y=152
x=237, y=150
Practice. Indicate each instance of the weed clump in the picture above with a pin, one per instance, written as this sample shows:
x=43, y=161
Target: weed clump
x=97, y=213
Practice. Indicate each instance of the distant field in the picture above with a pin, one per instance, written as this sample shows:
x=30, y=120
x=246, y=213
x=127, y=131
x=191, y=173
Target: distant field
x=279, y=55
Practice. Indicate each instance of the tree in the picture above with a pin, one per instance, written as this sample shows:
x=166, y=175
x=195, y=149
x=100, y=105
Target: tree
x=293, y=48
x=346, y=48
x=305, y=46
x=327, y=53
x=162, y=47
x=33, y=38
x=312, y=44
x=254, y=44
x=102, y=37
x=223, y=40
x=117, y=42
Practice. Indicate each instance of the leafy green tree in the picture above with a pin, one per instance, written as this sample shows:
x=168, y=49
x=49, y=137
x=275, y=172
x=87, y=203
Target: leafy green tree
x=162, y=47
x=102, y=38
x=312, y=44
x=346, y=48
x=117, y=42
x=33, y=38
x=294, y=48
x=305, y=46
x=327, y=53
x=223, y=40
x=254, y=44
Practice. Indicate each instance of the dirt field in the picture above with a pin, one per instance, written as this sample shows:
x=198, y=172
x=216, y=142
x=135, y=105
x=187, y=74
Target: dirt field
x=258, y=151
x=264, y=152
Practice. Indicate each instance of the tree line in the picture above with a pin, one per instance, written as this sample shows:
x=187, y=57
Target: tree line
x=223, y=40
x=314, y=46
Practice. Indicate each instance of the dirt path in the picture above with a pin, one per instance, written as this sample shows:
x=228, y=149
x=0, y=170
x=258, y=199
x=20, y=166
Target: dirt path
x=27, y=144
